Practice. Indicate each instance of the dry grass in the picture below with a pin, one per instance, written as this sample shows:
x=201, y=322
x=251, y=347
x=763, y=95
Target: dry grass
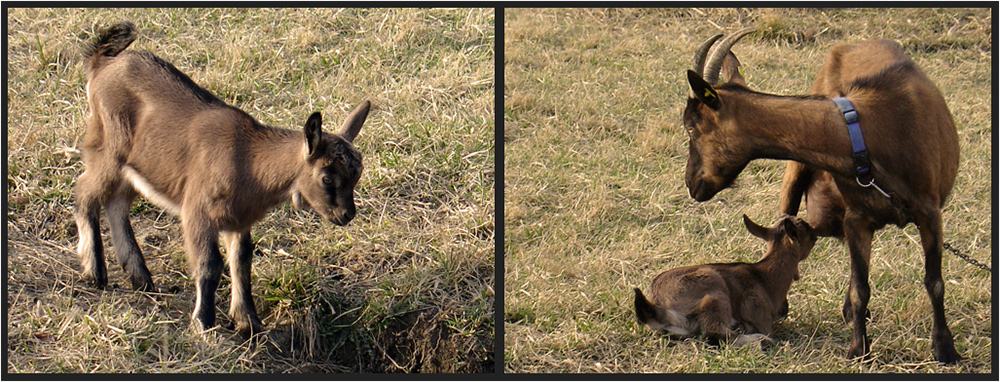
x=595, y=202
x=408, y=286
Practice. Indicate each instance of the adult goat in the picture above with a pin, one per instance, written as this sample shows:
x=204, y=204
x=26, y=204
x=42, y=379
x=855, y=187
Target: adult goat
x=912, y=148
x=152, y=130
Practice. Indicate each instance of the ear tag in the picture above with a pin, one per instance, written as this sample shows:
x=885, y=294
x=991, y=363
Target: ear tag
x=709, y=93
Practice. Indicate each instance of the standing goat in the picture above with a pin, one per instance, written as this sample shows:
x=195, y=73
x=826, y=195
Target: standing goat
x=911, y=142
x=711, y=299
x=152, y=130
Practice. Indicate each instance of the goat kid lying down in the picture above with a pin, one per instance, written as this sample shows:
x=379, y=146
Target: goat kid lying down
x=713, y=299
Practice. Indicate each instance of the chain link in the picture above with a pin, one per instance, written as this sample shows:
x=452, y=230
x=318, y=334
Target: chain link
x=967, y=258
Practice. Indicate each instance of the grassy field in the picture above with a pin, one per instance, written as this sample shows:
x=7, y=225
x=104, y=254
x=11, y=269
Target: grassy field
x=406, y=287
x=595, y=202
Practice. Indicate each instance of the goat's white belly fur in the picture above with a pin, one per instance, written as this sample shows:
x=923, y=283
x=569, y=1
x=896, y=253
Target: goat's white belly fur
x=146, y=189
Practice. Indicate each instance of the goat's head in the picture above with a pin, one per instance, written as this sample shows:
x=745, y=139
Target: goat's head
x=789, y=236
x=333, y=167
x=713, y=161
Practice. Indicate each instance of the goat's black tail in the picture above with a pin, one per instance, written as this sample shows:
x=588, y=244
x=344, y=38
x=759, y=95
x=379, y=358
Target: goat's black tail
x=112, y=40
x=644, y=310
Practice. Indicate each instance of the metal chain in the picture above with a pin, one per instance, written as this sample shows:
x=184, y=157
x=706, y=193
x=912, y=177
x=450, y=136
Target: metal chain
x=967, y=258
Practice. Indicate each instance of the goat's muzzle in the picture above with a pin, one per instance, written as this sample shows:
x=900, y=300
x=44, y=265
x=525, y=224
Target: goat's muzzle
x=700, y=190
x=342, y=219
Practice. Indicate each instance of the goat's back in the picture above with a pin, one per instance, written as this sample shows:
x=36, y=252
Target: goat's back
x=161, y=123
x=846, y=63
x=908, y=127
x=682, y=288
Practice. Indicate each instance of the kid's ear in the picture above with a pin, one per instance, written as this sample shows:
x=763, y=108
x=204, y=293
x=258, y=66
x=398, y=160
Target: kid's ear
x=790, y=229
x=314, y=134
x=352, y=124
x=755, y=229
x=703, y=91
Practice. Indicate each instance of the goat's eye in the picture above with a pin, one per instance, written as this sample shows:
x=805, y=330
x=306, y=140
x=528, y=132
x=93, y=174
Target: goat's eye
x=327, y=180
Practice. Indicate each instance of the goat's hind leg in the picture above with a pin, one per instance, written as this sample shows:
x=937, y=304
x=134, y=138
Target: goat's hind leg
x=93, y=188
x=241, y=309
x=794, y=184
x=930, y=237
x=127, y=250
x=714, y=315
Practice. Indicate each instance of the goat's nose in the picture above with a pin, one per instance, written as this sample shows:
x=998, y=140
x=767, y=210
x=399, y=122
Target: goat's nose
x=695, y=190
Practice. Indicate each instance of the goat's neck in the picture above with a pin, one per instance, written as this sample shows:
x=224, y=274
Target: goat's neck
x=780, y=270
x=807, y=130
x=277, y=160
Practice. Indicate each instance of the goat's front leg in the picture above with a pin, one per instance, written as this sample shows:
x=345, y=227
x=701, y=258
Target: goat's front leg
x=930, y=237
x=858, y=231
x=126, y=248
x=205, y=262
x=241, y=308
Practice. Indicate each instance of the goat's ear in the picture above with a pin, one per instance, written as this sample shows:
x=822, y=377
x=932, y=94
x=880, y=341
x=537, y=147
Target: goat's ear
x=314, y=134
x=731, y=70
x=755, y=229
x=703, y=90
x=352, y=125
x=790, y=229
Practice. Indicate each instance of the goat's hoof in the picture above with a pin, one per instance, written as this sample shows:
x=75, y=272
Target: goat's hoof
x=203, y=325
x=248, y=329
x=96, y=282
x=144, y=285
x=946, y=354
x=859, y=351
x=856, y=353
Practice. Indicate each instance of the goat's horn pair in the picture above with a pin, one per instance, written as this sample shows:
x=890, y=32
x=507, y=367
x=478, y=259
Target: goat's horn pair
x=702, y=53
x=710, y=70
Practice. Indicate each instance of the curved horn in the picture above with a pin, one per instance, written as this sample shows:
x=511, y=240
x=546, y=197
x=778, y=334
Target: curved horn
x=701, y=53
x=719, y=54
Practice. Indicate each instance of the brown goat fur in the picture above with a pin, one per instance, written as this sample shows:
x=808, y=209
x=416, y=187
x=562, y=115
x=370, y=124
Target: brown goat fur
x=152, y=131
x=911, y=139
x=712, y=299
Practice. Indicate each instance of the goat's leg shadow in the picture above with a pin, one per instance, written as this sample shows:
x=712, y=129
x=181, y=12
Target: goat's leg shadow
x=239, y=248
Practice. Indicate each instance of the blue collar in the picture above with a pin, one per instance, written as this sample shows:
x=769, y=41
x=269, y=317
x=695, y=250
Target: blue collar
x=862, y=163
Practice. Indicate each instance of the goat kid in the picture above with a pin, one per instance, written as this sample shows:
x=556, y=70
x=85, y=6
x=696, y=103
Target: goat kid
x=712, y=299
x=910, y=136
x=152, y=130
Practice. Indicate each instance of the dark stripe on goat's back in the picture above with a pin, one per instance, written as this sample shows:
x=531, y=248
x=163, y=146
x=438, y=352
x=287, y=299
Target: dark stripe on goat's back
x=891, y=77
x=175, y=74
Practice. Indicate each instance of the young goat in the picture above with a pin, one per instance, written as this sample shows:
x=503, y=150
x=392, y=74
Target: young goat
x=152, y=130
x=711, y=299
x=911, y=142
